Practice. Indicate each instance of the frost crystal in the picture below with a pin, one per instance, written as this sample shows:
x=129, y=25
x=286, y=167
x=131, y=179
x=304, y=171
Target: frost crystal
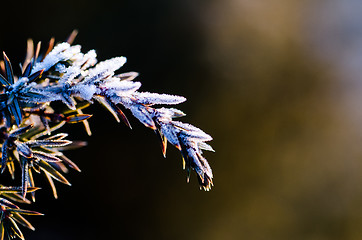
x=61, y=52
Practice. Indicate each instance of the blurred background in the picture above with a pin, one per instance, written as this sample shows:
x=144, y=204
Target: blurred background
x=276, y=83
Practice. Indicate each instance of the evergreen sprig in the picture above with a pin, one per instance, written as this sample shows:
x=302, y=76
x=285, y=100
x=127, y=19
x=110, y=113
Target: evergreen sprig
x=29, y=117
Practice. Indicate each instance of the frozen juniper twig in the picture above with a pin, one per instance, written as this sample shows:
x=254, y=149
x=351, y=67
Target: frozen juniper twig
x=28, y=118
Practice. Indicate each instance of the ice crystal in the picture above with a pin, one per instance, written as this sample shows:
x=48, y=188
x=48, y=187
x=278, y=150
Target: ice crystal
x=28, y=118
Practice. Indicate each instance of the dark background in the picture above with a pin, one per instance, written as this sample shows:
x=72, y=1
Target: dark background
x=276, y=83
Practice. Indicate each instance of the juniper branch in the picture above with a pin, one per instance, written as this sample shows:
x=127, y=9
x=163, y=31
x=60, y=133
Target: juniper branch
x=63, y=73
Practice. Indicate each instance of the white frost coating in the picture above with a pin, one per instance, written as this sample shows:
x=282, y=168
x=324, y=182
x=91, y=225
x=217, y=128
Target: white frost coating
x=21, y=82
x=201, y=165
x=207, y=166
x=45, y=96
x=84, y=91
x=127, y=76
x=60, y=52
x=168, y=131
x=110, y=65
x=155, y=98
x=27, y=87
x=76, y=58
x=192, y=131
x=196, y=163
x=90, y=59
x=205, y=146
x=69, y=75
x=126, y=101
x=60, y=68
x=143, y=116
x=85, y=61
x=121, y=87
x=196, y=136
x=170, y=112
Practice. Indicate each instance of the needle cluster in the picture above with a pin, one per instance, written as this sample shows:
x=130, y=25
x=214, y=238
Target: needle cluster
x=30, y=117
